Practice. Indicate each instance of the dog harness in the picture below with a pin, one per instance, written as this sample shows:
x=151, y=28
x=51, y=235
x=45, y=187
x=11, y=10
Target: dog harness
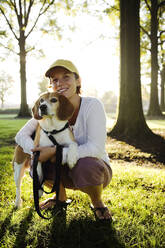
x=50, y=134
x=56, y=131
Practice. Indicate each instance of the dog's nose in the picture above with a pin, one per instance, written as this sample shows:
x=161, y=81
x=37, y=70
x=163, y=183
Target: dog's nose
x=43, y=108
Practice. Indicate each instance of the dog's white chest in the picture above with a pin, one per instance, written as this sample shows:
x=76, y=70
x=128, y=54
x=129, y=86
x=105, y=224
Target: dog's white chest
x=44, y=139
x=62, y=138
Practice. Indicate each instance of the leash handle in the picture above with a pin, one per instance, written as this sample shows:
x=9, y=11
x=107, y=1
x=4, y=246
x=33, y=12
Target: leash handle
x=36, y=184
x=56, y=185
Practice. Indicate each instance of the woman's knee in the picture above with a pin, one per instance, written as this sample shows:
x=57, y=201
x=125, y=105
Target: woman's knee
x=89, y=171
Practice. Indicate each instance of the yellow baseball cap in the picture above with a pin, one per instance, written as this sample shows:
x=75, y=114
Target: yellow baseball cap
x=62, y=63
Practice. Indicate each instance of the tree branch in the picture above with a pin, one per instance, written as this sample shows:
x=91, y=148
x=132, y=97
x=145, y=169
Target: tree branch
x=30, y=49
x=24, y=10
x=46, y=7
x=145, y=48
x=161, y=32
x=40, y=13
x=31, y=2
x=20, y=13
x=11, y=50
x=16, y=11
x=1, y=10
x=14, y=5
x=161, y=4
x=148, y=6
x=145, y=31
x=161, y=43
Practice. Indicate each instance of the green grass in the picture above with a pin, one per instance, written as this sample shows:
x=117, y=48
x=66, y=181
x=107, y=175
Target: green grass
x=8, y=130
x=7, y=116
x=136, y=197
x=153, y=124
x=156, y=124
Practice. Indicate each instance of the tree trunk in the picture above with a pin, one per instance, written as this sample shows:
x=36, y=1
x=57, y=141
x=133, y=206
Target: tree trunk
x=24, y=110
x=2, y=103
x=154, y=108
x=130, y=123
x=162, y=100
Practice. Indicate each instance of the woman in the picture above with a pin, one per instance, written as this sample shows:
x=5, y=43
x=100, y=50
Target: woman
x=92, y=172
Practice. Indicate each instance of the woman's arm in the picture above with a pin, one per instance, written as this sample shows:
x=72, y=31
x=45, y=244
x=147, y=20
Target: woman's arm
x=46, y=153
x=95, y=132
x=23, y=137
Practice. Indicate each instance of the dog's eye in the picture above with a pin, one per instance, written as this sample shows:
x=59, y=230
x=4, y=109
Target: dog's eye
x=53, y=100
x=42, y=100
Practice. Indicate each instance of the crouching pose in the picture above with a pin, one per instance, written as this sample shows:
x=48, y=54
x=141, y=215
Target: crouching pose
x=52, y=112
x=92, y=172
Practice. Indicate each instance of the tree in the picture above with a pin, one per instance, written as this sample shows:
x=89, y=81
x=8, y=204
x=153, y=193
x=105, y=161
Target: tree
x=6, y=82
x=154, y=108
x=162, y=102
x=17, y=16
x=130, y=122
x=162, y=70
x=151, y=30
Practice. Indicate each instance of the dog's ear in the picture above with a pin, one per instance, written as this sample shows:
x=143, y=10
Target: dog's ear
x=35, y=110
x=65, y=109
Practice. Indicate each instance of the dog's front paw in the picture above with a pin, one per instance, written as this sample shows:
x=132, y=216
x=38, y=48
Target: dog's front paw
x=72, y=155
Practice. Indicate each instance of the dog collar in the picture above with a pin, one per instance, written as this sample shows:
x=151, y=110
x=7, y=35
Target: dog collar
x=56, y=131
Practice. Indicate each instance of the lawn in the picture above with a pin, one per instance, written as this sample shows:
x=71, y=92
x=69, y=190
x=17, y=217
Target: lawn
x=136, y=197
x=153, y=124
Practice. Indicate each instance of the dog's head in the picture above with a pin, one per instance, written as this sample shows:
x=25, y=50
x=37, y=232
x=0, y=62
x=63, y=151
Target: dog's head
x=52, y=104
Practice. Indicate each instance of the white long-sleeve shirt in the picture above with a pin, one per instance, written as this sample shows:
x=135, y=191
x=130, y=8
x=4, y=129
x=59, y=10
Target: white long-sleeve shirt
x=89, y=131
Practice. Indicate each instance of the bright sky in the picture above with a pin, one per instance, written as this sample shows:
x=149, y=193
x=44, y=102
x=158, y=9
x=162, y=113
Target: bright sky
x=96, y=59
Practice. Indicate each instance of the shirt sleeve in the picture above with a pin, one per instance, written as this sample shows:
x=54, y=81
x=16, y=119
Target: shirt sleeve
x=23, y=137
x=96, y=132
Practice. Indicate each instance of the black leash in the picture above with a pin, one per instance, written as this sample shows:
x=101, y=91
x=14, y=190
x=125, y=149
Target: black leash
x=56, y=185
x=36, y=185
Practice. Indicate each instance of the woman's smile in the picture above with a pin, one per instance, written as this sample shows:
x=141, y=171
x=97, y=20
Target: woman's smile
x=62, y=90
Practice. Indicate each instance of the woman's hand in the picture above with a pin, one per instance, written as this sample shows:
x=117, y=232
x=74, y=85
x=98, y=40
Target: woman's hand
x=46, y=153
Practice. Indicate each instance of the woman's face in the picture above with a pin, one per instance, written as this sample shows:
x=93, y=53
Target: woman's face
x=64, y=82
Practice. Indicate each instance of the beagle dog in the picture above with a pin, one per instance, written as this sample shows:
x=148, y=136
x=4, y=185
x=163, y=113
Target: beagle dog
x=52, y=112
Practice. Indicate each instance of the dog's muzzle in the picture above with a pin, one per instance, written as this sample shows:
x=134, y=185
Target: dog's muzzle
x=43, y=109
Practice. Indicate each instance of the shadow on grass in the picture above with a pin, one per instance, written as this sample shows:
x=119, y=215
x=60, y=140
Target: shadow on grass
x=77, y=233
x=58, y=231
x=82, y=233
x=7, y=141
x=5, y=224
x=23, y=228
x=153, y=144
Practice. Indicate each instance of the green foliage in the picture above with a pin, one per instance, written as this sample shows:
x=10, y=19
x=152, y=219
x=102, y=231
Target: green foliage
x=43, y=85
x=112, y=10
x=3, y=33
x=135, y=197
